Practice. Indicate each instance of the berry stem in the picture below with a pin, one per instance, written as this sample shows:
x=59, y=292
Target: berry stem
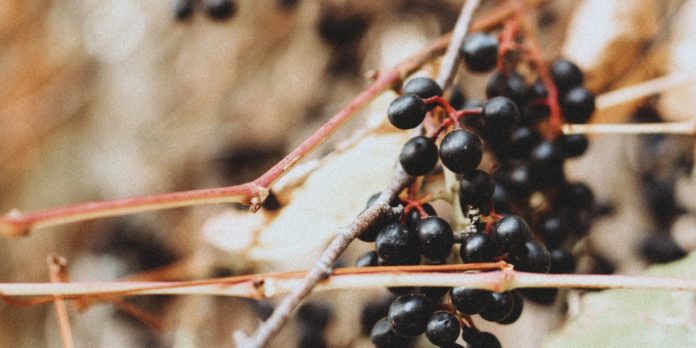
x=58, y=274
x=684, y=128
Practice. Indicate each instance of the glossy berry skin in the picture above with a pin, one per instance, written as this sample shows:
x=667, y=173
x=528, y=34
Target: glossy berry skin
x=183, y=9
x=499, y=306
x=395, y=243
x=565, y=75
x=480, y=52
x=406, y=111
x=511, y=233
x=562, y=262
x=476, y=189
x=372, y=312
x=422, y=87
x=368, y=259
x=574, y=145
x=532, y=257
x=478, y=339
x=478, y=247
x=461, y=151
x=469, y=301
x=443, y=329
x=500, y=113
x=409, y=314
x=516, y=309
x=546, y=165
x=219, y=10
x=382, y=336
x=495, y=86
x=435, y=237
x=554, y=229
x=418, y=156
x=516, y=88
x=578, y=105
x=414, y=215
x=522, y=142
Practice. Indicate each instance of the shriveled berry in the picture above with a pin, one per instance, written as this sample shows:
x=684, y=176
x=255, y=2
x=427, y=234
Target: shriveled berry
x=476, y=189
x=532, y=257
x=478, y=247
x=511, y=232
x=423, y=87
x=443, y=329
x=500, y=306
x=219, y=10
x=461, y=151
x=395, y=243
x=480, y=52
x=516, y=309
x=409, y=314
x=406, y=111
x=418, y=156
x=469, y=301
x=566, y=75
x=578, y=105
x=501, y=113
x=435, y=236
x=382, y=336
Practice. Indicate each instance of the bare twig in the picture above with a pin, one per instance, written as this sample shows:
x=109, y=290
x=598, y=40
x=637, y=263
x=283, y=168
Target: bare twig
x=643, y=89
x=58, y=274
x=683, y=128
x=268, y=285
x=450, y=61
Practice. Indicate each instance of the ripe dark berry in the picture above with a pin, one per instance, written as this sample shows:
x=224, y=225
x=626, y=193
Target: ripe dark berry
x=542, y=296
x=566, y=75
x=443, y=329
x=478, y=247
x=546, y=165
x=435, y=236
x=461, y=151
x=522, y=142
x=562, y=262
x=395, y=243
x=339, y=28
x=315, y=315
x=574, y=145
x=532, y=257
x=469, y=301
x=476, y=189
x=372, y=312
x=371, y=232
x=501, y=113
x=382, y=336
x=422, y=87
x=576, y=196
x=418, y=156
x=499, y=306
x=511, y=233
x=517, y=179
x=435, y=294
x=368, y=259
x=496, y=85
x=478, y=339
x=219, y=10
x=286, y=4
x=414, y=215
x=660, y=248
x=516, y=309
x=183, y=9
x=554, y=229
x=480, y=52
x=409, y=314
x=578, y=105
x=406, y=111
x=516, y=88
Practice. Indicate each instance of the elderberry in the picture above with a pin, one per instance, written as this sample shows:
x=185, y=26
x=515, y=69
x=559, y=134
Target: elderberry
x=461, y=151
x=418, y=156
x=414, y=215
x=476, y=189
x=478, y=247
x=578, y=105
x=516, y=309
x=382, y=336
x=423, y=87
x=500, y=306
x=478, y=339
x=443, y=329
x=408, y=314
x=219, y=10
x=395, y=243
x=435, y=236
x=406, y=111
x=532, y=257
x=501, y=113
x=511, y=233
x=469, y=301
x=480, y=52
x=566, y=75
x=183, y=9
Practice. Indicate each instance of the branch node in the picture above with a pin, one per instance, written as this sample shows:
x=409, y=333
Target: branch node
x=260, y=195
x=11, y=226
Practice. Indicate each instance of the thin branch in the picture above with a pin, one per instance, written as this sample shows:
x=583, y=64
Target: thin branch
x=263, y=286
x=58, y=274
x=450, y=61
x=643, y=89
x=683, y=128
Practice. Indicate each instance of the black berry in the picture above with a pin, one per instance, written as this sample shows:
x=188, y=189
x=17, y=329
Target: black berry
x=478, y=247
x=395, y=243
x=480, y=52
x=418, y=156
x=660, y=248
x=574, y=145
x=382, y=336
x=562, y=262
x=414, y=215
x=576, y=196
x=566, y=75
x=219, y=9
x=511, y=233
x=469, y=301
x=368, y=259
x=461, y=151
x=499, y=306
x=183, y=9
x=532, y=257
x=501, y=113
x=406, y=111
x=422, y=87
x=409, y=314
x=443, y=329
x=435, y=236
x=578, y=105
x=476, y=189
x=516, y=309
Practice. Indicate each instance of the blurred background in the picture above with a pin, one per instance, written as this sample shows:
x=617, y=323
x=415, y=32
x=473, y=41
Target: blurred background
x=103, y=99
